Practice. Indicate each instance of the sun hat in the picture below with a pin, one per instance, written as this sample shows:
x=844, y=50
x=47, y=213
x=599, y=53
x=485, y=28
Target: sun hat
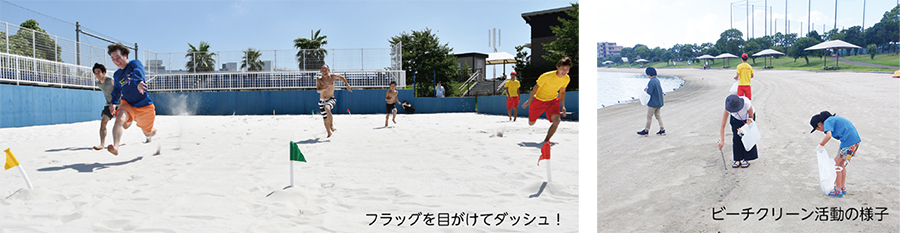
x=733, y=103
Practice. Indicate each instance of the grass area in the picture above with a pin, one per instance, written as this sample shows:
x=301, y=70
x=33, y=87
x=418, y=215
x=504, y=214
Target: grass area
x=888, y=59
x=782, y=63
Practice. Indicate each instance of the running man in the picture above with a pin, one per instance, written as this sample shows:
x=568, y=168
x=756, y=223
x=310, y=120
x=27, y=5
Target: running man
x=743, y=76
x=512, y=96
x=106, y=86
x=325, y=88
x=391, y=98
x=131, y=90
x=550, y=92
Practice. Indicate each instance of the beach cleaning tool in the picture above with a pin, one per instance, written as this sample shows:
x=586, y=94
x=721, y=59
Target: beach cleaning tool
x=749, y=135
x=545, y=155
x=645, y=98
x=734, y=87
x=296, y=155
x=724, y=164
x=11, y=162
x=827, y=170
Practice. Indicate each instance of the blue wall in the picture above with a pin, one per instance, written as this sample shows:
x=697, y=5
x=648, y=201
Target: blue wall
x=298, y=102
x=22, y=106
x=496, y=105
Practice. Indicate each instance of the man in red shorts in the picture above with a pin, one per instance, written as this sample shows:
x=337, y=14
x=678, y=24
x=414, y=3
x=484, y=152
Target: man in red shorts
x=512, y=96
x=549, y=95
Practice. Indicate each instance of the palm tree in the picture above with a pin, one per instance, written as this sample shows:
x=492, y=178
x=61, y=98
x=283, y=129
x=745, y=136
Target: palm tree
x=200, y=59
x=311, y=55
x=251, y=60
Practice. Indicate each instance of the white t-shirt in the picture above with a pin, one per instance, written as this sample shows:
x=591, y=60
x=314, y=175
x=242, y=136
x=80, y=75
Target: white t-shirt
x=743, y=114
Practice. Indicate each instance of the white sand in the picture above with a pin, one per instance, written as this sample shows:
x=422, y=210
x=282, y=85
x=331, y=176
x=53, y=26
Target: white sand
x=671, y=183
x=214, y=174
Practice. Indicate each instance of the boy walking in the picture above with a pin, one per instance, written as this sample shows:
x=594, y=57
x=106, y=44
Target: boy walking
x=512, y=96
x=655, y=103
x=743, y=76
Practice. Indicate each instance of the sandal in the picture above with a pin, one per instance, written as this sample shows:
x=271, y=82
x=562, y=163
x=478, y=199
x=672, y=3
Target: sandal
x=843, y=191
x=835, y=193
x=745, y=164
x=736, y=164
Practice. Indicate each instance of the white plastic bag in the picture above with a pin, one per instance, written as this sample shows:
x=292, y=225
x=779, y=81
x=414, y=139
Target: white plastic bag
x=827, y=170
x=645, y=98
x=734, y=87
x=751, y=135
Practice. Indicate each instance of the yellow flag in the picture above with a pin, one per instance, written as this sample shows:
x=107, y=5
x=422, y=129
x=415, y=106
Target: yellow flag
x=10, y=160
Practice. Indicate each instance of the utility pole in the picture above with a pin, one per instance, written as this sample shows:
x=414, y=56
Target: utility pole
x=864, y=15
x=785, y=18
x=747, y=9
x=77, y=43
x=766, y=18
x=808, y=15
x=835, y=14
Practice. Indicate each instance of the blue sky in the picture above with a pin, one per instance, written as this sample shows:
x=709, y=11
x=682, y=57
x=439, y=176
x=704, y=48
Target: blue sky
x=665, y=23
x=167, y=26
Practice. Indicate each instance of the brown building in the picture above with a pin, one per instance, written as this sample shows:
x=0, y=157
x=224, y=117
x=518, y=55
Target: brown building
x=540, y=22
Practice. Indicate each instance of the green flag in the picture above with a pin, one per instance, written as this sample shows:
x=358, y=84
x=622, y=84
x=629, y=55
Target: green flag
x=296, y=155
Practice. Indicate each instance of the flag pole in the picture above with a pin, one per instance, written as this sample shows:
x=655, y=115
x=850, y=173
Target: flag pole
x=28, y=181
x=292, y=172
x=548, y=171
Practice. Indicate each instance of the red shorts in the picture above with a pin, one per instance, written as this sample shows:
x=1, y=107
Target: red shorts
x=537, y=107
x=512, y=102
x=744, y=90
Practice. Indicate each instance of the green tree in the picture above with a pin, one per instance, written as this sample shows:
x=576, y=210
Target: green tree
x=667, y=56
x=730, y=41
x=750, y=48
x=566, y=43
x=200, y=59
x=641, y=52
x=311, y=55
x=854, y=35
x=424, y=54
x=872, y=49
x=815, y=35
x=834, y=34
x=32, y=41
x=798, y=50
x=251, y=61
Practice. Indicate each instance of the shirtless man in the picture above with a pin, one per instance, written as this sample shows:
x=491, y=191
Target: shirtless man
x=391, y=98
x=325, y=88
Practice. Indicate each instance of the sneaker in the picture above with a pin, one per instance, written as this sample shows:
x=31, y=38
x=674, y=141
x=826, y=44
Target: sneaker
x=661, y=133
x=642, y=132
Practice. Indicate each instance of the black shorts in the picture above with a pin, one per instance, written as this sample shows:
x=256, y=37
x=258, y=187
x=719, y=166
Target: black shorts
x=390, y=107
x=106, y=112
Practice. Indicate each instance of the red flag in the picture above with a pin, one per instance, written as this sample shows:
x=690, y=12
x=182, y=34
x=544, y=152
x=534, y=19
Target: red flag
x=545, y=152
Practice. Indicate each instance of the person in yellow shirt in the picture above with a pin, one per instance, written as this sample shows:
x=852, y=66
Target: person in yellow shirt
x=744, y=74
x=549, y=95
x=512, y=96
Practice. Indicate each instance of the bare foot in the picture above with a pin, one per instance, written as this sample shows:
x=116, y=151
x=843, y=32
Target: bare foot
x=395, y=121
x=385, y=123
x=100, y=147
x=333, y=129
x=329, y=135
x=112, y=149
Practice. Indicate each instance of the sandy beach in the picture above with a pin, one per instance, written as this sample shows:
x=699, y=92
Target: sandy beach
x=228, y=174
x=674, y=183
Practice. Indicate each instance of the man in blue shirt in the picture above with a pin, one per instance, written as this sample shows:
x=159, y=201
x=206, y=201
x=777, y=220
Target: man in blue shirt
x=841, y=129
x=439, y=90
x=655, y=103
x=130, y=99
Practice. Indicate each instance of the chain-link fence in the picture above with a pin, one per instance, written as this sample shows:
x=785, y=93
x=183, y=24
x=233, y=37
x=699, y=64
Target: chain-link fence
x=273, y=60
x=275, y=80
x=26, y=42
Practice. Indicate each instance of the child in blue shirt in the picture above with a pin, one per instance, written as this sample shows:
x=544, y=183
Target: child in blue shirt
x=841, y=129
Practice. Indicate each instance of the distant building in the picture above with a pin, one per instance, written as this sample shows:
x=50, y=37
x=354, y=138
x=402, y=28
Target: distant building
x=267, y=65
x=540, y=22
x=155, y=66
x=608, y=49
x=475, y=61
x=229, y=67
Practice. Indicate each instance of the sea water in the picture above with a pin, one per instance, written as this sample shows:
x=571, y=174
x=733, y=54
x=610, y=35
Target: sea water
x=619, y=88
